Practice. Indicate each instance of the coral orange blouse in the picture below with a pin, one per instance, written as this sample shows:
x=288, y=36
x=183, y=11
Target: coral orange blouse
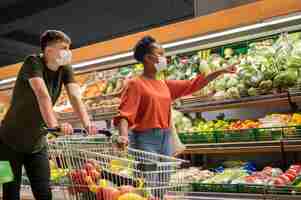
x=146, y=103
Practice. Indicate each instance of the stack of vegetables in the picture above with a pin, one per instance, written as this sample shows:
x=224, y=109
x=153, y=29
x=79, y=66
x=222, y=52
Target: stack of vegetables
x=186, y=124
x=267, y=67
x=241, y=173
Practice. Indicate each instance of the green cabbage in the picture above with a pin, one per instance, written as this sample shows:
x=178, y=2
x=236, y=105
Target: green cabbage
x=232, y=93
x=286, y=79
x=253, y=92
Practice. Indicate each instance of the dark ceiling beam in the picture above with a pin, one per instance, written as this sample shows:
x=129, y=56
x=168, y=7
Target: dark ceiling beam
x=14, y=51
x=16, y=47
x=22, y=36
x=25, y=8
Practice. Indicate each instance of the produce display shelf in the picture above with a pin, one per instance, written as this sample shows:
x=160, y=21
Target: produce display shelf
x=226, y=196
x=241, y=135
x=244, y=147
x=105, y=116
x=95, y=114
x=196, y=104
x=246, y=188
x=103, y=97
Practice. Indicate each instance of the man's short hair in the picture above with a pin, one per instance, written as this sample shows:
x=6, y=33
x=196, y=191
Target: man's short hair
x=52, y=36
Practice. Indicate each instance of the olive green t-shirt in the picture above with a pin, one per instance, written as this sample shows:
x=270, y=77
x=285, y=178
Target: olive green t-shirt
x=22, y=127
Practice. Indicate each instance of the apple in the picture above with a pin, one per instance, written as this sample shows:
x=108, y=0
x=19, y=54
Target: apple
x=293, y=172
x=296, y=167
x=126, y=189
x=110, y=193
x=83, y=174
x=279, y=182
x=156, y=198
x=290, y=176
x=95, y=163
x=89, y=180
x=76, y=177
x=88, y=167
x=285, y=179
x=94, y=174
x=99, y=195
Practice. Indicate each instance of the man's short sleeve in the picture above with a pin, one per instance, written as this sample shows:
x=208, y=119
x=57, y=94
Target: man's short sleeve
x=32, y=67
x=68, y=75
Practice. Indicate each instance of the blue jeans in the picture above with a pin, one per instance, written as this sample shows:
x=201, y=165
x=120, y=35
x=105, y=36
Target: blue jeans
x=152, y=140
x=155, y=141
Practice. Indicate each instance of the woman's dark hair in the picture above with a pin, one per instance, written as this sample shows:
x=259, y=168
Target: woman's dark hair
x=52, y=36
x=143, y=47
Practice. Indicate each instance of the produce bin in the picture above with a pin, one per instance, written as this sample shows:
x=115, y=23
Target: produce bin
x=225, y=188
x=6, y=174
x=244, y=135
x=197, y=138
x=251, y=189
x=236, y=136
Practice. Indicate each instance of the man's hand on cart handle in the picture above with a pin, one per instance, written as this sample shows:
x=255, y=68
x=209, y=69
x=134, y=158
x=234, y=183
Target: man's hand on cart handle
x=107, y=133
x=91, y=129
x=66, y=128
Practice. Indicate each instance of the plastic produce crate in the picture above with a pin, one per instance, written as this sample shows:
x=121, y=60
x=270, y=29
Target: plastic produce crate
x=266, y=134
x=284, y=190
x=245, y=135
x=251, y=189
x=6, y=174
x=197, y=138
x=236, y=136
x=246, y=188
x=224, y=188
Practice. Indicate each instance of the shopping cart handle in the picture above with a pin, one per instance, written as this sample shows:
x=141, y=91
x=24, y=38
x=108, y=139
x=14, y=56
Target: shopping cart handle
x=80, y=130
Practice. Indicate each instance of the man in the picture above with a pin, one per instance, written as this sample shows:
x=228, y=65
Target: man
x=38, y=86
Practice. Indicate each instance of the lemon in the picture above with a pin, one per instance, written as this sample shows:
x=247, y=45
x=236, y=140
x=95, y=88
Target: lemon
x=103, y=183
x=130, y=196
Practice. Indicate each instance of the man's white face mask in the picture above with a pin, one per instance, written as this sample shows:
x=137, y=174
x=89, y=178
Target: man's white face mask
x=65, y=58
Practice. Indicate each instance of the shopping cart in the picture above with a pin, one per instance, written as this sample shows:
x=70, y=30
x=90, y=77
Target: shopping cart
x=83, y=166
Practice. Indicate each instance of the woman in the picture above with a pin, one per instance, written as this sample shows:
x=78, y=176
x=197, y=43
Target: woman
x=146, y=102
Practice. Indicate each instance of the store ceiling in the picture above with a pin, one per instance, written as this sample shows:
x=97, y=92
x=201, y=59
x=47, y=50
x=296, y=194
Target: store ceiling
x=89, y=21
x=86, y=22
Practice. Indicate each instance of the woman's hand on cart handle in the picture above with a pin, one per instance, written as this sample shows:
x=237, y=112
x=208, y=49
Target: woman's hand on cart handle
x=123, y=141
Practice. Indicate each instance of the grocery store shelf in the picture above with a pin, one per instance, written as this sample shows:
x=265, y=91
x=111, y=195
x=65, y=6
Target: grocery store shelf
x=95, y=115
x=202, y=105
x=104, y=116
x=227, y=196
x=244, y=147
